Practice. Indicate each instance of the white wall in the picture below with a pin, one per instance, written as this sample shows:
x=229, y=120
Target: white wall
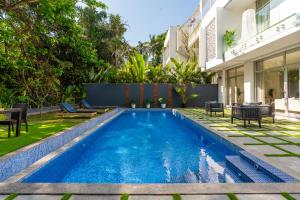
x=249, y=80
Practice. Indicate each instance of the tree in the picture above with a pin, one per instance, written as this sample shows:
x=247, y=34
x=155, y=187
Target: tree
x=136, y=68
x=152, y=50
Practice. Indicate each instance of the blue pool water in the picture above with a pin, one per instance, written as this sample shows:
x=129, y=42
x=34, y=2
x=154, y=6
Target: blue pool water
x=142, y=147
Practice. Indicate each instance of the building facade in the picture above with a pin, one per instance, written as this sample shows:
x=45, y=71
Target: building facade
x=182, y=37
x=254, y=47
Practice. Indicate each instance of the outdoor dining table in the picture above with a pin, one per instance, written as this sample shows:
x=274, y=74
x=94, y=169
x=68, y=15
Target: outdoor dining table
x=18, y=111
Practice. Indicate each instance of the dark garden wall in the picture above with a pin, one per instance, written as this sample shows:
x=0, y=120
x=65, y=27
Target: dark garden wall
x=122, y=94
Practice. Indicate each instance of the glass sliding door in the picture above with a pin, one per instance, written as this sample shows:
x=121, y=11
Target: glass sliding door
x=293, y=68
x=270, y=80
x=235, y=85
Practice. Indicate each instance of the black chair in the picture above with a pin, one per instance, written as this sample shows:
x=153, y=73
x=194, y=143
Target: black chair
x=10, y=123
x=253, y=111
x=14, y=116
x=246, y=113
x=214, y=107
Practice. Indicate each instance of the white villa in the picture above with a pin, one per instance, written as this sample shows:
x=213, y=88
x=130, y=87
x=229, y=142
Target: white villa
x=261, y=63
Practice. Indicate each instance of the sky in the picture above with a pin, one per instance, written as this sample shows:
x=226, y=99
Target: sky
x=149, y=17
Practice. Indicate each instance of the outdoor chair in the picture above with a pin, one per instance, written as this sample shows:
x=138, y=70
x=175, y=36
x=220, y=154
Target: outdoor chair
x=24, y=107
x=87, y=105
x=8, y=122
x=214, y=107
x=99, y=109
x=70, y=111
x=253, y=111
x=246, y=113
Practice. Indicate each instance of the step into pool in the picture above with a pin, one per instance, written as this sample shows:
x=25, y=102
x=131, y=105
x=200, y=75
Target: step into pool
x=159, y=146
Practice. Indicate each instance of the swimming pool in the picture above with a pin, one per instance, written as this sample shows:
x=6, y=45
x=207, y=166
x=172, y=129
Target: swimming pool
x=144, y=147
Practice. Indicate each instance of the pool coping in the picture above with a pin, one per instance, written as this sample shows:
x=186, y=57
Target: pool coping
x=254, y=152
x=139, y=189
x=44, y=160
x=149, y=189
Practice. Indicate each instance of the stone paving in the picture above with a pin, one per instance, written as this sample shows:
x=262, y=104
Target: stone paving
x=156, y=197
x=279, y=142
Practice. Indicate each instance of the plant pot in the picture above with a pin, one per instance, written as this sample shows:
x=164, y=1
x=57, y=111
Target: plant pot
x=163, y=105
x=133, y=106
x=148, y=106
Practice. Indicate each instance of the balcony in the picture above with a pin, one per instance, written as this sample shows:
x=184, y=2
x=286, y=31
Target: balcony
x=264, y=36
x=206, y=6
x=194, y=33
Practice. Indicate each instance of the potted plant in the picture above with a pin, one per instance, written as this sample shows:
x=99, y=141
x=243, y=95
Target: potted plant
x=229, y=38
x=163, y=102
x=148, y=103
x=133, y=104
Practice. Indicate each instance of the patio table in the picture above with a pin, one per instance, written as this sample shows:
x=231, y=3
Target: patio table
x=19, y=113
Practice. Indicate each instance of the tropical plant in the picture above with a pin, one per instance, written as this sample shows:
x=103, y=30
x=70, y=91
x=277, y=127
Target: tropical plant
x=229, y=38
x=162, y=100
x=136, y=68
x=158, y=74
x=184, y=74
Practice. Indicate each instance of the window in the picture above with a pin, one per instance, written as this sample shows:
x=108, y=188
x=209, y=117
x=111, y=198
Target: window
x=293, y=67
x=270, y=80
x=235, y=85
x=262, y=15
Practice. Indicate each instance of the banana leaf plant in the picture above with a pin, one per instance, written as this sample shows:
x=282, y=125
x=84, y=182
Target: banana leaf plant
x=184, y=74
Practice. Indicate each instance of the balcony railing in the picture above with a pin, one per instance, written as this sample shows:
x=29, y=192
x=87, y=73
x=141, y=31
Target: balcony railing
x=265, y=21
x=271, y=32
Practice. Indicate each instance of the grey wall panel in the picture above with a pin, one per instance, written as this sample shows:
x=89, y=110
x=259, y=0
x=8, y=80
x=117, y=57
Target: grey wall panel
x=205, y=93
x=163, y=90
x=134, y=93
x=176, y=98
x=114, y=94
x=148, y=92
x=106, y=94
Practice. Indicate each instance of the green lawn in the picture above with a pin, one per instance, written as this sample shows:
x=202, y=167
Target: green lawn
x=39, y=127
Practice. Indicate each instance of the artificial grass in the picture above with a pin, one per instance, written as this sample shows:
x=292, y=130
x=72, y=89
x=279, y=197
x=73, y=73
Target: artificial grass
x=232, y=196
x=280, y=126
x=40, y=127
x=124, y=197
x=176, y=197
x=66, y=196
x=287, y=196
x=11, y=197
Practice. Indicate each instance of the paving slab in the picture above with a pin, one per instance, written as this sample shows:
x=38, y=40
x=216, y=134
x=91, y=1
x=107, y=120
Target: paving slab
x=38, y=197
x=253, y=133
x=204, y=197
x=291, y=148
x=296, y=196
x=294, y=133
x=290, y=162
x=150, y=197
x=95, y=197
x=245, y=140
x=2, y=197
x=275, y=133
x=260, y=197
x=292, y=139
x=266, y=149
x=272, y=140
